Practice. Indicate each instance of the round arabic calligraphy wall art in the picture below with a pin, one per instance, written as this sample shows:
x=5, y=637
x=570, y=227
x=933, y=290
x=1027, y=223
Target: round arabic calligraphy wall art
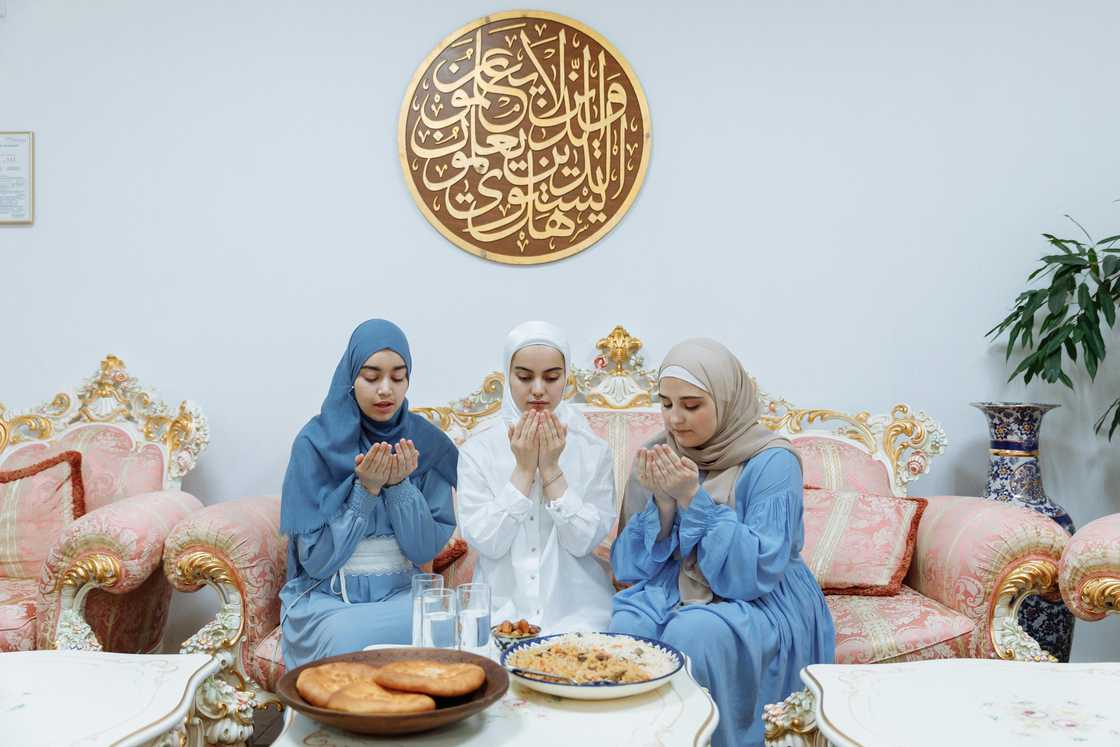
x=524, y=137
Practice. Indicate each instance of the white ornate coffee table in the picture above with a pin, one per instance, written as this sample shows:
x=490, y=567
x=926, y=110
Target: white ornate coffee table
x=966, y=702
x=92, y=699
x=680, y=713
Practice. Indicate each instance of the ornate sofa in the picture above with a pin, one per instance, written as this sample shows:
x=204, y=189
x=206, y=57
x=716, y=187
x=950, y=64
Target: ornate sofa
x=974, y=561
x=1089, y=573
x=80, y=550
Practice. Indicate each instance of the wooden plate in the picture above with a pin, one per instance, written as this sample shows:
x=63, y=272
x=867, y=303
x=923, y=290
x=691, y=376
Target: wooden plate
x=448, y=710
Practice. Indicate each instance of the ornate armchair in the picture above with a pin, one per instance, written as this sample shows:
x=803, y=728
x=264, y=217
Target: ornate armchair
x=960, y=598
x=89, y=490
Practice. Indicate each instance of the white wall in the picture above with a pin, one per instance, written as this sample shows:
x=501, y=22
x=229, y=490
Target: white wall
x=848, y=193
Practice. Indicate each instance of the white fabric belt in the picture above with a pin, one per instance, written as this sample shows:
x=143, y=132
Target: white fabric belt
x=377, y=556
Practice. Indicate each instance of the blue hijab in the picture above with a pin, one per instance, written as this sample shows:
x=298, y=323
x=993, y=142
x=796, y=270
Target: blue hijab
x=320, y=472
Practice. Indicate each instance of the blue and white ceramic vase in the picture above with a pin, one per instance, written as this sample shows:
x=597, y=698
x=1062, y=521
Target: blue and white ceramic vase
x=1014, y=476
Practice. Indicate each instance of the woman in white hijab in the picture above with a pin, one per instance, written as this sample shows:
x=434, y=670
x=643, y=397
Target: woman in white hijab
x=536, y=494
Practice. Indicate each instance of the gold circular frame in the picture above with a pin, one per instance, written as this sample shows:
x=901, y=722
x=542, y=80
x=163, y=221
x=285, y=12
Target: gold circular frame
x=623, y=207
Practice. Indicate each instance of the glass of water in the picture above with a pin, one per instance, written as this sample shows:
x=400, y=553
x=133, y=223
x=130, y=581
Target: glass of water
x=474, y=617
x=421, y=582
x=439, y=626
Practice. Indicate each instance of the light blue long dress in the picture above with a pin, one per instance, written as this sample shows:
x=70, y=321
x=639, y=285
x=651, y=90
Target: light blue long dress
x=317, y=622
x=769, y=618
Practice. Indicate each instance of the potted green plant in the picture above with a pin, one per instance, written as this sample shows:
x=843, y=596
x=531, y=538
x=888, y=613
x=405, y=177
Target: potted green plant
x=1083, y=291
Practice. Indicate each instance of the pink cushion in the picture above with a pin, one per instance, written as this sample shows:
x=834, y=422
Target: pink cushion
x=829, y=464
x=113, y=466
x=37, y=501
x=857, y=543
x=266, y=665
x=17, y=614
x=904, y=627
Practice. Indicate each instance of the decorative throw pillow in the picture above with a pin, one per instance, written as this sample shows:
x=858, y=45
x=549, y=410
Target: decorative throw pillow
x=828, y=464
x=857, y=543
x=36, y=503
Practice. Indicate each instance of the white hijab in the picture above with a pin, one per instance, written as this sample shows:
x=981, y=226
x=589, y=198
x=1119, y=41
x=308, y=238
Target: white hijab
x=540, y=333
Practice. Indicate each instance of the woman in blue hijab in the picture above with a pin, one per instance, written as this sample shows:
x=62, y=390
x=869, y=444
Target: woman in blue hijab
x=366, y=500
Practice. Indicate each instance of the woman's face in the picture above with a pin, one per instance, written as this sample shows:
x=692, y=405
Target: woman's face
x=536, y=378
x=381, y=385
x=688, y=411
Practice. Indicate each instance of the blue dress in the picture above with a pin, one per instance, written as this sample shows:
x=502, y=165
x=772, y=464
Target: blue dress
x=769, y=618
x=316, y=620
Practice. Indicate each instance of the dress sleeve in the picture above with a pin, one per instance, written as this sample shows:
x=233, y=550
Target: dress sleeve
x=744, y=558
x=422, y=517
x=584, y=513
x=637, y=554
x=489, y=516
x=326, y=549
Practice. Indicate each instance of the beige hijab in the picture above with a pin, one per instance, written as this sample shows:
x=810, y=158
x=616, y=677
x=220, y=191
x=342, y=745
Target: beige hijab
x=738, y=437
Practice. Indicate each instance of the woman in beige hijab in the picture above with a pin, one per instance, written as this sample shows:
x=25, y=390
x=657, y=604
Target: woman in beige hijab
x=710, y=538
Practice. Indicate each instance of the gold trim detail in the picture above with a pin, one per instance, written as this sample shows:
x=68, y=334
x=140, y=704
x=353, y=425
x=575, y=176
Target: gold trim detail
x=227, y=628
x=1013, y=453
x=113, y=395
x=466, y=413
x=200, y=566
x=794, y=421
x=1101, y=594
x=100, y=569
x=1010, y=641
x=904, y=439
x=176, y=432
x=32, y=427
x=794, y=715
x=619, y=346
x=1034, y=576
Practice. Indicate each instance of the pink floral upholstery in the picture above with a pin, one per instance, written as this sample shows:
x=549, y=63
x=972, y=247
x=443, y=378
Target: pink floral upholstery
x=37, y=501
x=829, y=464
x=266, y=665
x=130, y=615
x=967, y=546
x=112, y=465
x=17, y=614
x=1092, y=555
x=857, y=543
x=903, y=627
x=244, y=535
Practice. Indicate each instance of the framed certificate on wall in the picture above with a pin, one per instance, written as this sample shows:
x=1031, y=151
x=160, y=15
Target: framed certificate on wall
x=17, y=177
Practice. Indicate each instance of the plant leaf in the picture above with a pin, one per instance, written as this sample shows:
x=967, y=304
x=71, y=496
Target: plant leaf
x=1107, y=304
x=1090, y=360
x=1060, y=243
x=1115, y=409
x=1073, y=260
x=1057, y=300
